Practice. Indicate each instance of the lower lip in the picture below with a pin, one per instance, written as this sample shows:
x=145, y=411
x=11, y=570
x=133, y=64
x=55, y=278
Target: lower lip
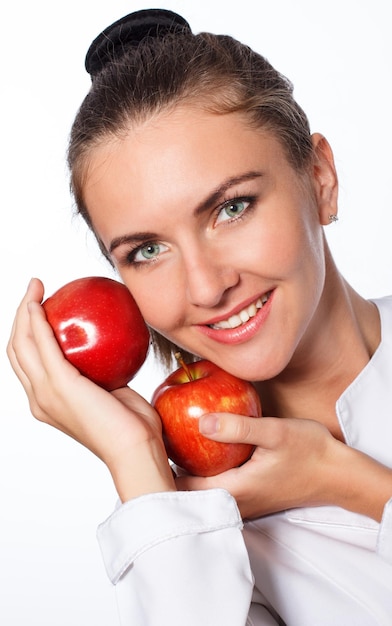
x=242, y=333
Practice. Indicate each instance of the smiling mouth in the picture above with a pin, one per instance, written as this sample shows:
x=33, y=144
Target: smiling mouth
x=242, y=316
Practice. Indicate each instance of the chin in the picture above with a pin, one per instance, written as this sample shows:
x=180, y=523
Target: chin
x=252, y=361
x=253, y=370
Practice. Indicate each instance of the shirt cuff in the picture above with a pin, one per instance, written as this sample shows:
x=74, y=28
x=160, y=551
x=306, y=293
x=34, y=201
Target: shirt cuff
x=149, y=520
x=384, y=547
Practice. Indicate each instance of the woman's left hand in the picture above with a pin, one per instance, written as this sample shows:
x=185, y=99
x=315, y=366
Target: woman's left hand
x=296, y=463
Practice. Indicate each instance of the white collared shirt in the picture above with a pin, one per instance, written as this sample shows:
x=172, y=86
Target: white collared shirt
x=186, y=558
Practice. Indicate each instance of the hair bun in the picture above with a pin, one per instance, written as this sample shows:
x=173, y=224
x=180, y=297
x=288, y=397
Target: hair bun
x=130, y=31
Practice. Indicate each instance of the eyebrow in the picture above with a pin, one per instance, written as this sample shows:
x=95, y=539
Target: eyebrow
x=212, y=199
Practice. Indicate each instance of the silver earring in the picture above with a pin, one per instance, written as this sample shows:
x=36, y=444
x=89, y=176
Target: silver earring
x=332, y=218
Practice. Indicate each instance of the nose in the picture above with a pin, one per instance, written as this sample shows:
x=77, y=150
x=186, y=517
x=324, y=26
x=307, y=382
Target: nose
x=208, y=278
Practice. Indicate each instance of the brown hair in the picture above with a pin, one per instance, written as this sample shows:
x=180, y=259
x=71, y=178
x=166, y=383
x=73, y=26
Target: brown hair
x=214, y=72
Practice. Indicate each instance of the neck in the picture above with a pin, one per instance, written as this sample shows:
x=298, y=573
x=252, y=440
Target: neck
x=342, y=338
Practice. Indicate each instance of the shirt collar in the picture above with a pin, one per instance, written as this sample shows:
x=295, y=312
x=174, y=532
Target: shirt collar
x=364, y=410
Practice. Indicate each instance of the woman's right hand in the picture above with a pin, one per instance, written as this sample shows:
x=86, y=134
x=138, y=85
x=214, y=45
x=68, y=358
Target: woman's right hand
x=120, y=427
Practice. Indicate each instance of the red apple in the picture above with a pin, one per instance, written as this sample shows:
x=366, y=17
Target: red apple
x=100, y=329
x=203, y=387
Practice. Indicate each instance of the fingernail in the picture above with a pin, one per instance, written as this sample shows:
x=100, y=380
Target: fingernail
x=209, y=424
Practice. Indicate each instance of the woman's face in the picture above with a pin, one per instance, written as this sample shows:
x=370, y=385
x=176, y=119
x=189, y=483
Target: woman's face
x=215, y=235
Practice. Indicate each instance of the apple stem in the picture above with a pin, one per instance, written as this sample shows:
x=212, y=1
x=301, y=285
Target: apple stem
x=184, y=366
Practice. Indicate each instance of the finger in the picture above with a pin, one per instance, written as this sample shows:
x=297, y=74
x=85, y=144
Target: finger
x=230, y=480
x=229, y=428
x=21, y=325
x=265, y=432
x=46, y=346
x=20, y=341
x=195, y=483
x=11, y=352
x=36, y=357
x=35, y=290
x=22, y=306
x=51, y=375
x=140, y=405
x=32, y=332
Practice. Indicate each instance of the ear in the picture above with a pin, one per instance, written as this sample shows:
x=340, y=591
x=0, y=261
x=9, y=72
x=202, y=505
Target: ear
x=325, y=179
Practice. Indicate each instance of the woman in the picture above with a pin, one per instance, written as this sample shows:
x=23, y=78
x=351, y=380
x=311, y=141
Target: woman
x=196, y=170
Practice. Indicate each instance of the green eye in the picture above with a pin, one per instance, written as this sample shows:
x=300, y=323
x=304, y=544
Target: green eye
x=232, y=209
x=150, y=251
x=146, y=253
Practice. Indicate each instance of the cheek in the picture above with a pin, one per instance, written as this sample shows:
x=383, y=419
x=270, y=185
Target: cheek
x=275, y=250
x=289, y=251
x=158, y=297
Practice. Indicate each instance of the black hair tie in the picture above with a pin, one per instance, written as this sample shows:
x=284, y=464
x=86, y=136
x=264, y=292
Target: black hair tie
x=130, y=31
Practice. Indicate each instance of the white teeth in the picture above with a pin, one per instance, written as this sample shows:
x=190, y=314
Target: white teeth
x=223, y=324
x=252, y=310
x=243, y=316
x=235, y=321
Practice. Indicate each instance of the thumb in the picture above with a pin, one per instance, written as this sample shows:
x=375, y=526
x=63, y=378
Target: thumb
x=35, y=290
x=229, y=428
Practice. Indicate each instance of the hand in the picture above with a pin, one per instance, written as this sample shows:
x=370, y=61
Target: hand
x=121, y=428
x=297, y=462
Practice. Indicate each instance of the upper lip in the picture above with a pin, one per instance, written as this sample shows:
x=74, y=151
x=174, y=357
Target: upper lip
x=234, y=311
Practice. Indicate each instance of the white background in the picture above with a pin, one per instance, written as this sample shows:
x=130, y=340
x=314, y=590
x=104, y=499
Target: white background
x=53, y=492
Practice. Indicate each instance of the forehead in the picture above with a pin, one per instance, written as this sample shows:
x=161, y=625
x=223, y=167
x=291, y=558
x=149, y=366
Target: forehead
x=176, y=157
x=184, y=132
